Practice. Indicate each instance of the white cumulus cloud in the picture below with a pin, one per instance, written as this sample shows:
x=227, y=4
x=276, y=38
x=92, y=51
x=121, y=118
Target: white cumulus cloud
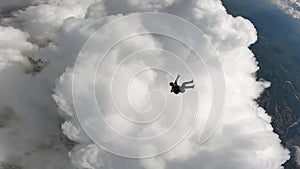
x=38, y=109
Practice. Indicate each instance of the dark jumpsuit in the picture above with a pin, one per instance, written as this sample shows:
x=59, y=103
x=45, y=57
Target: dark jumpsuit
x=175, y=88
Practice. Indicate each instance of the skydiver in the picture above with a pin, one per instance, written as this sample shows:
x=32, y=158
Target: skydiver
x=180, y=89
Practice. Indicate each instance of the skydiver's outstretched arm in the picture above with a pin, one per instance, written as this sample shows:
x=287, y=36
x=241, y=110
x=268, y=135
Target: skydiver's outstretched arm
x=177, y=79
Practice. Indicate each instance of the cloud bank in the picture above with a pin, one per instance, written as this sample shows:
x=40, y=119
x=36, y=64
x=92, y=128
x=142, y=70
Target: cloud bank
x=32, y=136
x=297, y=155
x=290, y=7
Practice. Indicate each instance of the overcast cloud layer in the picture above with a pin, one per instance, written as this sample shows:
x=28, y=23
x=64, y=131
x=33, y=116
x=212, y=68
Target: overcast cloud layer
x=37, y=111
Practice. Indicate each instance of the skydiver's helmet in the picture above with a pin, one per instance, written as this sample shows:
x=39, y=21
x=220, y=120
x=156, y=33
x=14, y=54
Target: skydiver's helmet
x=171, y=84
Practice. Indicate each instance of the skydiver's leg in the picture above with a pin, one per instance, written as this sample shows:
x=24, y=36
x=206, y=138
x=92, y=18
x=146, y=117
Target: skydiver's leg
x=182, y=90
x=189, y=87
x=184, y=84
